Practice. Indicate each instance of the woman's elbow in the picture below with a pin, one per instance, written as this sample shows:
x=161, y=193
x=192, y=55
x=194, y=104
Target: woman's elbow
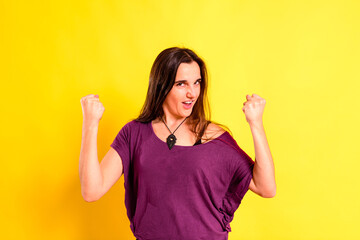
x=89, y=197
x=269, y=194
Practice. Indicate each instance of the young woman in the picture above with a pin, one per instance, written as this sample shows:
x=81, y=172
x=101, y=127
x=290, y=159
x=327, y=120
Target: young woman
x=184, y=175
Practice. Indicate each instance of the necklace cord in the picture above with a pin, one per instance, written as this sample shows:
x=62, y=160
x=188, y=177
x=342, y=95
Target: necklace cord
x=176, y=128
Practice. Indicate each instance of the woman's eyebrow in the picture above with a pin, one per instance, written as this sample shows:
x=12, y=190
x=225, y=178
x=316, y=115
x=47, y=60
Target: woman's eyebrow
x=180, y=81
x=186, y=80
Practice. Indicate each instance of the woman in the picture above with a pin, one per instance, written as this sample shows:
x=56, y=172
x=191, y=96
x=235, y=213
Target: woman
x=184, y=175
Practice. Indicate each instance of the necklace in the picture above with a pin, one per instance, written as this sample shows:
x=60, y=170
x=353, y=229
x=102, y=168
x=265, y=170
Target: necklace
x=171, y=139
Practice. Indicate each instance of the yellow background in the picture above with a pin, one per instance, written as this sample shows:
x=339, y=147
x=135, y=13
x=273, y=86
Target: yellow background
x=301, y=56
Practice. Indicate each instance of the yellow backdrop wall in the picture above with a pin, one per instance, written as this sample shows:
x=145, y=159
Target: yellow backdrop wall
x=301, y=56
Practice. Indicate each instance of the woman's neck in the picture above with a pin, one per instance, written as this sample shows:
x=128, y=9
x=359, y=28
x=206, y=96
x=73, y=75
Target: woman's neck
x=172, y=122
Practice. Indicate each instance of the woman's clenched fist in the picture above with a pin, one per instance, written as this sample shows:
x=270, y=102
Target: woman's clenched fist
x=254, y=108
x=92, y=109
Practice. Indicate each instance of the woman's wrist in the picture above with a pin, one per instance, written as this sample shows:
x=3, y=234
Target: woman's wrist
x=89, y=126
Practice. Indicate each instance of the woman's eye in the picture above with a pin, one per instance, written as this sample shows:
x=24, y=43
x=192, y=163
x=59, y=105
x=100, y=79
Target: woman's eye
x=179, y=84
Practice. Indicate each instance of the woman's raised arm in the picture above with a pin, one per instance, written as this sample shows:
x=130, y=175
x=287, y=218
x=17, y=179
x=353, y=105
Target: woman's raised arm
x=96, y=179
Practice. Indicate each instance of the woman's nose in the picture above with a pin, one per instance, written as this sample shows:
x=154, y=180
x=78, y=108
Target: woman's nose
x=190, y=92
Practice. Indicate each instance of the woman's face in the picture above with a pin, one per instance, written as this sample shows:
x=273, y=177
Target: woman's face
x=183, y=95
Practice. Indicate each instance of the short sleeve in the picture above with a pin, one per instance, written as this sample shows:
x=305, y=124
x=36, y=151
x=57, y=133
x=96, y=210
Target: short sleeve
x=121, y=144
x=243, y=172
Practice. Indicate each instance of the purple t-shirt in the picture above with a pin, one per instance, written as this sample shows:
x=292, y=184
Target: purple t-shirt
x=188, y=192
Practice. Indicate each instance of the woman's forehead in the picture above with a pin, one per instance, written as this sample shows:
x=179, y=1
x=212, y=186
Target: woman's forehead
x=188, y=71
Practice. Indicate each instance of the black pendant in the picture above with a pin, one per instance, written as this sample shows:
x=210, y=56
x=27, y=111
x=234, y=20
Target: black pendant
x=171, y=140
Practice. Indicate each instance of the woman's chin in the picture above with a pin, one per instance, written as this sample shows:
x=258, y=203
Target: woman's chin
x=188, y=113
x=183, y=113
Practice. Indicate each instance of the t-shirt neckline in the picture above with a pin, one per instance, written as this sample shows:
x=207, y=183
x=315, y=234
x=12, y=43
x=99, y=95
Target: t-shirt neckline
x=181, y=146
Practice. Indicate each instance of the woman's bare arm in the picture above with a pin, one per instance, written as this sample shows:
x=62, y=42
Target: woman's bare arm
x=96, y=179
x=263, y=181
x=89, y=167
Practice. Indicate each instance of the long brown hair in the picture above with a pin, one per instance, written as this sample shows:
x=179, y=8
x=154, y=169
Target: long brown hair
x=161, y=81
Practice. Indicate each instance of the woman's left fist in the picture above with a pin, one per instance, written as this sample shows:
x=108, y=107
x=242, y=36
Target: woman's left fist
x=254, y=108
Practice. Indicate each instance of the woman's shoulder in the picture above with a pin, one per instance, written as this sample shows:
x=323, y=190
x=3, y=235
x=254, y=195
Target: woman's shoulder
x=214, y=130
x=134, y=125
x=228, y=139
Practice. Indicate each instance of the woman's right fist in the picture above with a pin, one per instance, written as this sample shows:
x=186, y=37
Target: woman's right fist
x=92, y=109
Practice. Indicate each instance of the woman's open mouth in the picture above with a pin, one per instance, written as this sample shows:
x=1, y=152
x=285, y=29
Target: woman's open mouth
x=188, y=104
